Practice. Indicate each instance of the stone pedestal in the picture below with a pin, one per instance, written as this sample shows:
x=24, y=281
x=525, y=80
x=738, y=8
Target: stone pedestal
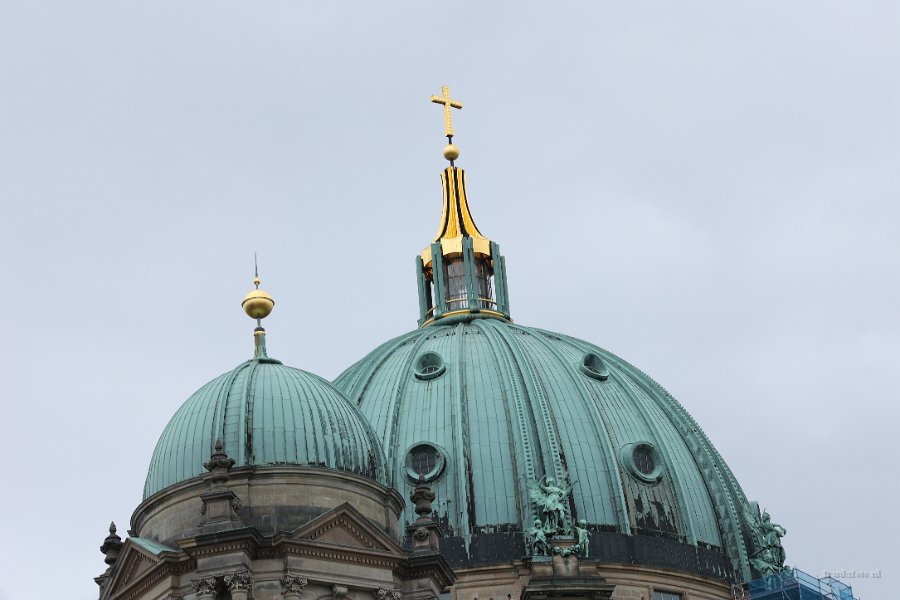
x=558, y=577
x=424, y=532
x=219, y=510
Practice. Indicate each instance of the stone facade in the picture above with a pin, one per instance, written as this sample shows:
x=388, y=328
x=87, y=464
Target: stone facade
x=267, y=533
x=307, y=533
x=629, y=582
x=270, y=499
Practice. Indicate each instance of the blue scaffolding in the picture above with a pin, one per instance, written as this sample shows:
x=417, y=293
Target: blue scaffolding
x=794, y=584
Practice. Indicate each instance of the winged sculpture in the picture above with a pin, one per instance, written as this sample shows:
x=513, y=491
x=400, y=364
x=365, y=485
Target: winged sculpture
x=550, y=499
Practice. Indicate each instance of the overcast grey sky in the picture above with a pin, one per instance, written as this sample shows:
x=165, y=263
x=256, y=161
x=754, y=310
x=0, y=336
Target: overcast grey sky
x=708, y=189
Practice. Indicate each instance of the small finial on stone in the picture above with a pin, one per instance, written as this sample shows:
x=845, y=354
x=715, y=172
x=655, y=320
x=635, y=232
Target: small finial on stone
x=422, y=497
x=424, y=531
x=111, y=545
x=220, y=504
x=219, y=464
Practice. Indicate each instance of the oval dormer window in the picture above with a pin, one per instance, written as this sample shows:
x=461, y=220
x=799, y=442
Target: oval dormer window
x=643, y=461
x=429, y=365
x=424, y=460
x=594, y=367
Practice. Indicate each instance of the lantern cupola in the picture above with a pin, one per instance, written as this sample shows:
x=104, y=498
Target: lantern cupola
x=461, y=274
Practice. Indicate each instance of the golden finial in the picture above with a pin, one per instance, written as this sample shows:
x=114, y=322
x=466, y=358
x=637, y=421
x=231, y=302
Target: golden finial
x=451, y=152
x=258, y=304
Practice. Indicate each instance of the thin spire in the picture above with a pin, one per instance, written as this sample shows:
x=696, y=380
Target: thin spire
x=258, y=304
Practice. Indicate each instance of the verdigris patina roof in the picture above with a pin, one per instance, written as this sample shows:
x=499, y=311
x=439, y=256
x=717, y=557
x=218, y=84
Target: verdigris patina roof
x=265, y=413
x=484, y=407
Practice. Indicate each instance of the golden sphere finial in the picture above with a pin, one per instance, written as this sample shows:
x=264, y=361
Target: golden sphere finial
x=258, y=304
x=451, y=152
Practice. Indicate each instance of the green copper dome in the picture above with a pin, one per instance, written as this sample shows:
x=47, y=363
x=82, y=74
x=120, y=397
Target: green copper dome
x=265, y=413
x=528, y=436
x=483, y=407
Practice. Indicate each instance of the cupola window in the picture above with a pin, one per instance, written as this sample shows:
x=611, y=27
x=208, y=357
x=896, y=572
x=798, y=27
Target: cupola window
x=643, y=461
x=424, y=460
x=457, y=291
x=429, y=366
x=594, y=367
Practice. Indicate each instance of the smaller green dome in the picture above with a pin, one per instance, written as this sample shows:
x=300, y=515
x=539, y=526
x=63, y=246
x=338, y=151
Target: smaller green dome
x=265, y=413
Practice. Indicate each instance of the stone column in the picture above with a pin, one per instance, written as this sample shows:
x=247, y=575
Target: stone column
x=239, y=584
x=205, y=588
x=292, y=586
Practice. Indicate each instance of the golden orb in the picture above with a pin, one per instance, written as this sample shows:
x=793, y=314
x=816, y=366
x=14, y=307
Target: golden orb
x=258, y=304
x=451, y=152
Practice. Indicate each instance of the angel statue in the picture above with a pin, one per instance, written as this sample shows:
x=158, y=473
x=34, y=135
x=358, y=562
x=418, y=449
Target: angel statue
x=550, y=500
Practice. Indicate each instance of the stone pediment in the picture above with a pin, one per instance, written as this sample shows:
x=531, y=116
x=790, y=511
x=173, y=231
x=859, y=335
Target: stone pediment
x=346, y=526
x=133, y=562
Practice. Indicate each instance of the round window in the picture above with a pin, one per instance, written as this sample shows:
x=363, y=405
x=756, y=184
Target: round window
x=594, y=367
x=429, y=365
x=424, y=460
x=643, y=461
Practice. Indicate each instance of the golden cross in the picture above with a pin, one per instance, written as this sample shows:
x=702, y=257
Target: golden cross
x=444, y=99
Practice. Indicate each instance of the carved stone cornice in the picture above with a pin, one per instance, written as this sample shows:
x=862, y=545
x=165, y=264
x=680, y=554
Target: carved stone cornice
x=563, y=588
x=431, y=565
